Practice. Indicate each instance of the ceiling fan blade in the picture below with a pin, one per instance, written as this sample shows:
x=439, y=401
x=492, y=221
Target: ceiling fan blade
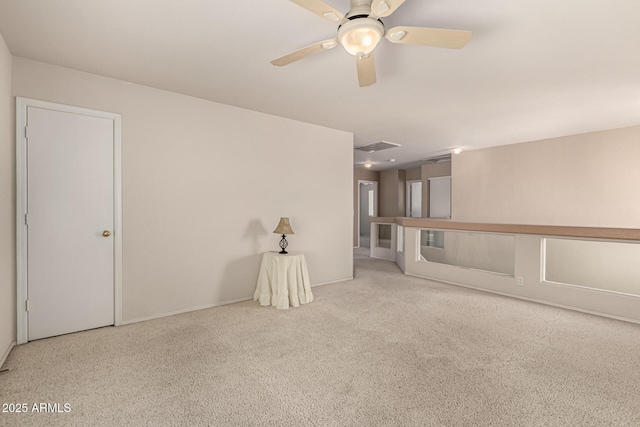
x=304, y=52
x=452, y=39
x=382, y=8
x=366, y=70
x=321, y=9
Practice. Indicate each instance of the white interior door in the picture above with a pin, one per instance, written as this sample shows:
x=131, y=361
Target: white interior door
x=70, y=223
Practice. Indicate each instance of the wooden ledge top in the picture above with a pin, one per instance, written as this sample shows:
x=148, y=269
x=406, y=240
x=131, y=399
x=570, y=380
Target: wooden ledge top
x=541, y=230
x=385, y=219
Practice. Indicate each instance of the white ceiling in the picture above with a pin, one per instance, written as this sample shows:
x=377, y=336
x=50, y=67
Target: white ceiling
x=534, y=68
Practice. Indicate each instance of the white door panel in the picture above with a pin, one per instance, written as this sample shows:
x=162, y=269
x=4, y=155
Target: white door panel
x=70, y=202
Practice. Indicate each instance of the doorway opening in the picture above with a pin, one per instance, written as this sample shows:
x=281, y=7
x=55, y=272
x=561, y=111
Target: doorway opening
x=367, y=208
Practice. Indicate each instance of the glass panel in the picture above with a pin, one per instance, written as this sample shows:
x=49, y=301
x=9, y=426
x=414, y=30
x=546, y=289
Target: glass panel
x=371, y=203
x=609, y=266
x=480, y=251
x=400, y=239
x=432, y=238
x=384, y=236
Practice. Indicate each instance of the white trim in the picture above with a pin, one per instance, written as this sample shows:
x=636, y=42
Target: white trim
x=21, y=232
x=375, y=205
x=543, y=265
x=384, y=259
x=604, y=291
x=346, y=279
x=7, y=353
x=21, y=199
x=117, y=218
x=207, y=306
x=497, y=273
x=185, y=310
x=567, y=307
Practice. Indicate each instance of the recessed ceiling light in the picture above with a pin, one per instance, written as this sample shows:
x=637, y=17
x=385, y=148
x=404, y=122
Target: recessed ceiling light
x=367, y=165
x=392, y=160
x=456, y=151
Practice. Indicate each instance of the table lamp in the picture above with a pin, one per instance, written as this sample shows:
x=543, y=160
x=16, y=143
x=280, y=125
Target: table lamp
x=283, y=228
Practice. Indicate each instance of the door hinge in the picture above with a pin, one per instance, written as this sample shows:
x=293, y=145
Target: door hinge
x=26, y=132
x=26, y=219
x=26, y=305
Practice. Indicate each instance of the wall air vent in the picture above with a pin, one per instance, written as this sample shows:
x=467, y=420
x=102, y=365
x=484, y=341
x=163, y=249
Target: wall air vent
x=378, y=146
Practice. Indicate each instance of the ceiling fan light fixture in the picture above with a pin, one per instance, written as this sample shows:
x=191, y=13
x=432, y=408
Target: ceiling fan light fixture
x=360, y=37
x=397, y=35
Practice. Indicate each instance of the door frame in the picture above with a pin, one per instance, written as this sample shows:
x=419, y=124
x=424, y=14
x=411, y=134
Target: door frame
x=375, y=203
x=21, y=205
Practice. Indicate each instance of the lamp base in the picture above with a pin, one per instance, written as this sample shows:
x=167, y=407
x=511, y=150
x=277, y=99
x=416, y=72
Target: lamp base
x=283, y=245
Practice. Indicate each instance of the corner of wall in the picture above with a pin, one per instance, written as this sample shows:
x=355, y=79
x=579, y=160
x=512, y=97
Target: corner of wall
x=7, y=209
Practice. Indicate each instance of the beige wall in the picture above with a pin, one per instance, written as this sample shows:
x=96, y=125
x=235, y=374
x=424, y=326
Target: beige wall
x=582, y=180
x=388, y=194
x=361, y=175
x=432, y=170
x=392, y=189
x=204, y=186
x=414, y=174
x=7, y=207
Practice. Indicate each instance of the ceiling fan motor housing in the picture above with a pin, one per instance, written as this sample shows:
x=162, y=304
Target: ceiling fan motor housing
x=359, y=7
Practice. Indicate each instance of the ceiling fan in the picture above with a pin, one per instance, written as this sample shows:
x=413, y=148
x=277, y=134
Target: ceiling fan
x=360, y=31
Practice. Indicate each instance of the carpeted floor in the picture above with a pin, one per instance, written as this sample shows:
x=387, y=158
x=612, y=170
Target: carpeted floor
x=382, y=350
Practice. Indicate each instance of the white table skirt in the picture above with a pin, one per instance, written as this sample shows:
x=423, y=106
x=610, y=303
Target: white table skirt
x=283, y=280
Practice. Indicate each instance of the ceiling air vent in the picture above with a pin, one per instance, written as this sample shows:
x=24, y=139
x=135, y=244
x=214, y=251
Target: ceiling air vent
x=438, y=159
x=378, y=146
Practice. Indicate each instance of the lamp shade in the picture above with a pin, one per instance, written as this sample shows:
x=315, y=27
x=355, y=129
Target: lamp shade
x=283, y=227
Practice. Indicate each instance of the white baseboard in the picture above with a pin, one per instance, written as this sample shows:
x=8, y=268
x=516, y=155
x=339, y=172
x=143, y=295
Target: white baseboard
x=346, y=279
x=382, y=258
x=186, y=310
x=6, y=353
x=553, y=304
x=204, y=307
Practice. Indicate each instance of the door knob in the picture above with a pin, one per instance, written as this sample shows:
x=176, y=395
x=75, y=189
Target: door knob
x=106, y=233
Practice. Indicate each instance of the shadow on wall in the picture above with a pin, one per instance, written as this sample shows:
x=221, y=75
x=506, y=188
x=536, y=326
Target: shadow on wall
x=239, y=279
x=241, y=274
x=255, y=233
